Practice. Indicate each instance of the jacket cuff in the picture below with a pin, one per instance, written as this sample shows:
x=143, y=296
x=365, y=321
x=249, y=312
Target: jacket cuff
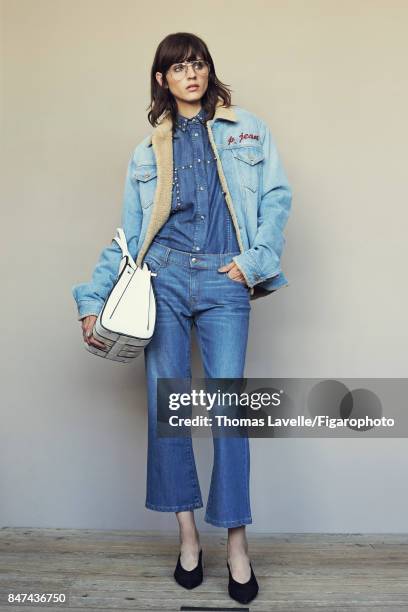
x=248, y=267
x=246, y=262
x=89, y=307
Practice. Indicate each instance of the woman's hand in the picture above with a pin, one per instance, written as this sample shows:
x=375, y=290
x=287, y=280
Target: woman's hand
x=87, y=326
x=233, y=272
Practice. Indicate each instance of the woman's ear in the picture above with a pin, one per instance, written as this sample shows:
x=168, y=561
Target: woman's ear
x=159, y=79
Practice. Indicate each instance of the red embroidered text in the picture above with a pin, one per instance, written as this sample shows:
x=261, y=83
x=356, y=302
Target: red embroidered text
x=242, y=137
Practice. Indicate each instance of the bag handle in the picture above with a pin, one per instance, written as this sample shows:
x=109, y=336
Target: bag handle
x=122, y=242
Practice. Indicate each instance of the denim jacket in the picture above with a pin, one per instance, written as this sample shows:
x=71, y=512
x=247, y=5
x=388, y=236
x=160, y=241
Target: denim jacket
x=254, y=185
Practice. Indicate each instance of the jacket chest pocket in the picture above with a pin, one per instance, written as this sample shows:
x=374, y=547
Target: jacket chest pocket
x=248, y=164
x=146, y=175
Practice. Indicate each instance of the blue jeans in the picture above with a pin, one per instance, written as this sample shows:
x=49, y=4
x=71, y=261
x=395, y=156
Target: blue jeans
x=189, y=290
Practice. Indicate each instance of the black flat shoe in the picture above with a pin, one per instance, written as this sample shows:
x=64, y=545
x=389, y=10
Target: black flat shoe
x=189, y=579
x=243, y=592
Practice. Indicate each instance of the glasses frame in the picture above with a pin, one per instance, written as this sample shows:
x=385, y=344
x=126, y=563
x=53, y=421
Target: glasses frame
x=185, y=65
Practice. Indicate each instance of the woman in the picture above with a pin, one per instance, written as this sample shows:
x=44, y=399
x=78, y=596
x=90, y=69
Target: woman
x=205, y=204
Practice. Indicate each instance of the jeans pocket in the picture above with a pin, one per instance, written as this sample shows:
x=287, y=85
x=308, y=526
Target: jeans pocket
x=154, y=263
x=241, y=284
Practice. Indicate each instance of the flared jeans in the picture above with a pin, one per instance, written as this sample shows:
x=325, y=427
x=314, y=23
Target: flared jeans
x=190, y=291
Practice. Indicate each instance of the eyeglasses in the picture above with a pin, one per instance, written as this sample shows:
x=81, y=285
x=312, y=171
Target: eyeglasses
x=179, y=71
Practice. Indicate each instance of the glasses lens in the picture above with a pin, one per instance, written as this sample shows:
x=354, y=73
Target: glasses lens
x=177, y=71
x=200, y=67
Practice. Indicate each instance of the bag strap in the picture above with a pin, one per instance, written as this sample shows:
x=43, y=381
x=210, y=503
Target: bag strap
x=122, y=242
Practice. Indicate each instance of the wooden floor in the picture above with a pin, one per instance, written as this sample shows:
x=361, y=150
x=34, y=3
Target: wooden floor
x=120, y=570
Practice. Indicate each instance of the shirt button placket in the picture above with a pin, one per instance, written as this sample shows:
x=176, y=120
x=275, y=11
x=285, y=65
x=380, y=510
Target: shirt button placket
x=201, y=197
x=176, y=183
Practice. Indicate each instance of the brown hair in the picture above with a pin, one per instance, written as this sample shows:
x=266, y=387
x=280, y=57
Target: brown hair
x=180, y=47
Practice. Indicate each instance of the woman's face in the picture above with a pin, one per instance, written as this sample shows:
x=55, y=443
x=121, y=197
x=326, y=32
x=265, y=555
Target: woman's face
x=181, y=88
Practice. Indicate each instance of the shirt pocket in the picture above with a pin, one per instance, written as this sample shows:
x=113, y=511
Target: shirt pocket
x=248, y=164
x=146, y=175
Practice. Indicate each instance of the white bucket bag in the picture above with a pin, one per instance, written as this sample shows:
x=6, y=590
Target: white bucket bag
x=126, y=322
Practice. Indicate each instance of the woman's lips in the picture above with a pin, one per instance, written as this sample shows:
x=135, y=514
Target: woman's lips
x=192, y=87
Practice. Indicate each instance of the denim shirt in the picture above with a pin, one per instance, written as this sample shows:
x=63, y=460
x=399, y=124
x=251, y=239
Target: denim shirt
x=199, y=219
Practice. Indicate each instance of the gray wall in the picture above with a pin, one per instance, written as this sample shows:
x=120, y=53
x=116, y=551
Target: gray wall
x=329, y=79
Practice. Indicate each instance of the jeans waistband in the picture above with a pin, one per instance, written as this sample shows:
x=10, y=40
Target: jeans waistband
x=190, y=260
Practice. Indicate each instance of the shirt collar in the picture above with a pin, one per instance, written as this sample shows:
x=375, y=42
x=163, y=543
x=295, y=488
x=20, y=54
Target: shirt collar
x=184, y=122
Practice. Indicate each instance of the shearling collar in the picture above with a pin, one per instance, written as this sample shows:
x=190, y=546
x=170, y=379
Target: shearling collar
x=165, y=125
